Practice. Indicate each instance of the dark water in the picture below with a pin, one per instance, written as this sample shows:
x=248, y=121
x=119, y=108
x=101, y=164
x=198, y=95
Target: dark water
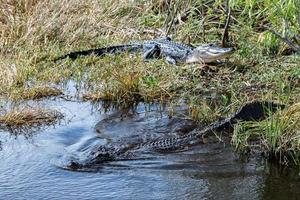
x=30, y=168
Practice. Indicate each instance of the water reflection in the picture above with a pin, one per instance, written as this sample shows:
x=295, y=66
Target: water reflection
x=281, y=182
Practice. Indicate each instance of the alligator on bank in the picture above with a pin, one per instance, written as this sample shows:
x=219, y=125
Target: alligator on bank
x=171, y=51
x=104, y=153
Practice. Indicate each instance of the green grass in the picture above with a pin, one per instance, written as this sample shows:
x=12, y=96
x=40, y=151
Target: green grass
x=278, y=136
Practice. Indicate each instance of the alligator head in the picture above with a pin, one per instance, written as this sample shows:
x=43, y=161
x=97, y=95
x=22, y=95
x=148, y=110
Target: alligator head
x=208, y=53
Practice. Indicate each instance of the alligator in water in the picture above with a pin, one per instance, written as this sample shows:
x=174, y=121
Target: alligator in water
x=105, y=153
x=171, y=51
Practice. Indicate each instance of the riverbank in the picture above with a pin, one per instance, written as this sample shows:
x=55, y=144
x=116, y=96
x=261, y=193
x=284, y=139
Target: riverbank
x=264, y=67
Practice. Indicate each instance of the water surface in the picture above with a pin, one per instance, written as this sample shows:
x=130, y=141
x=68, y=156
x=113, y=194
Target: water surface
x=30, y=166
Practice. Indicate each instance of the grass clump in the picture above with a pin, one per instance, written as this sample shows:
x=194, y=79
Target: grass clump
x=125, y=80
x=34, y=93
x=277, y=137
x=30, y=117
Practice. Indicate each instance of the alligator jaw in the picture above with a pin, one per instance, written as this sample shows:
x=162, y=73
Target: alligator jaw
x=208, y=53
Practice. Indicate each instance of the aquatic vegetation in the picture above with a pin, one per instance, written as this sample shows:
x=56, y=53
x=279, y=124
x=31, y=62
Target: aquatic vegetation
x=277, y=137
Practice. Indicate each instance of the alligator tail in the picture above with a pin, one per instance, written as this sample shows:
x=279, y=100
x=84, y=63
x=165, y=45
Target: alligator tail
x=102, y=51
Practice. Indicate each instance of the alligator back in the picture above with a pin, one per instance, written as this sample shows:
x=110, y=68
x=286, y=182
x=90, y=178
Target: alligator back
x=252, y=111
x=103, y=51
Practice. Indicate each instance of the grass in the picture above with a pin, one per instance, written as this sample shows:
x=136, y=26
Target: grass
x=278, y=136
x=264, y=67
x=34, y=93
x=29, y=117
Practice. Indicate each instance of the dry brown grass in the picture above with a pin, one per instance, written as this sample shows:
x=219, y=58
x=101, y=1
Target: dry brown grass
x=30, y=117
x=34, y=31
x=8, y=73
x=34, y=93
x=68, y=22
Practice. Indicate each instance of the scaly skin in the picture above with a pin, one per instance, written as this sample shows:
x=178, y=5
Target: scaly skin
x=161, y=48
x=251, y=111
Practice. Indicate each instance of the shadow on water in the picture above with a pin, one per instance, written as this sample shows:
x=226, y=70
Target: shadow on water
x=30, y=166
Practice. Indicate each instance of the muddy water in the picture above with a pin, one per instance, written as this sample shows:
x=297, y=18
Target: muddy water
x=31, y=167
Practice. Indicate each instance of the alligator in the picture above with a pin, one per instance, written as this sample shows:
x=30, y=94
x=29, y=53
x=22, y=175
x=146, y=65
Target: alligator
x=165, y=48
x=255, y=110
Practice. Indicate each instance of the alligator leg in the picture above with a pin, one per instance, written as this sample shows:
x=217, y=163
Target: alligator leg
x=153, y=52
x=170, y=60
